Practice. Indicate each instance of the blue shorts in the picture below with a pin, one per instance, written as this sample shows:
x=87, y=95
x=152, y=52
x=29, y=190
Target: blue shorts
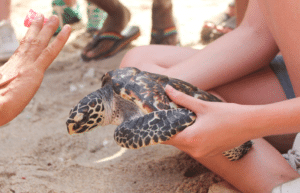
x=279, y=68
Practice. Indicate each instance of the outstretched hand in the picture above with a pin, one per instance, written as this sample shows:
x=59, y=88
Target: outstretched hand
x=218, y=126
x=22, y=75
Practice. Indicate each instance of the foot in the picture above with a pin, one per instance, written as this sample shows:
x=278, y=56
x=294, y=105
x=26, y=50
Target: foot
x=162, y=18
x=216, y=24
x=116, y=23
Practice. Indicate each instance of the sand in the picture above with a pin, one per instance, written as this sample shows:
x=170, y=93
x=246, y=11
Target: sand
x=38, y=155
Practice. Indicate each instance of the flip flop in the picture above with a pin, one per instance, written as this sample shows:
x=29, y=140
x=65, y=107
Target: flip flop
x=159, y=35
x=120, y=41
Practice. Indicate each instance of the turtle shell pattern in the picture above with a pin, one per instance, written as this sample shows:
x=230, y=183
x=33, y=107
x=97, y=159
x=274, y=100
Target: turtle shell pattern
x=162, y=118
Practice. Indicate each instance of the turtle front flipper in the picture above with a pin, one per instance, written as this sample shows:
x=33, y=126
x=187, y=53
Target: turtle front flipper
x=159, y=126
x=153, y=128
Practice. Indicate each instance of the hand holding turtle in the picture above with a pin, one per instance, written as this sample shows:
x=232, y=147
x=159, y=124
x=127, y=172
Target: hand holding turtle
x=22, y=75
x=218, y=126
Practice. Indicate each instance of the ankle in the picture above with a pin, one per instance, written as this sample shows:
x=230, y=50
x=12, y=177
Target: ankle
x=117, y=21
x=162, y=16
x=161, y=8
x=162, y=5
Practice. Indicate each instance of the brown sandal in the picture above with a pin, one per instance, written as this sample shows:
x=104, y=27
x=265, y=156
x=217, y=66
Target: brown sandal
x=120, y=41
x=161, y=36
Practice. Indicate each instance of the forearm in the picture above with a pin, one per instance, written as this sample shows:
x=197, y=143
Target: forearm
x=274, y=119
x=236, y=54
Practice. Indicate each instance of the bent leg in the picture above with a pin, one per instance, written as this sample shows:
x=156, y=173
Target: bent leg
x=262, y=169
x=258, y=88
x=156, y=58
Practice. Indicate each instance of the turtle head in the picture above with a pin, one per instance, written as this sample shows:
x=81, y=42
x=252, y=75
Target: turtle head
x=87, y=114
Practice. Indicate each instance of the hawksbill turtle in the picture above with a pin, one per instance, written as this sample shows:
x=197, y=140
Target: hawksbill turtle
x=136, y=101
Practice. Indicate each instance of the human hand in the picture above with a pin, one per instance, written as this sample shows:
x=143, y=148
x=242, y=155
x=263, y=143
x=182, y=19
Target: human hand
x=218, y=127
x=22, y=75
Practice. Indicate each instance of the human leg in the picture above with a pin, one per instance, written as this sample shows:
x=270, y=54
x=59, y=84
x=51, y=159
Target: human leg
x=163, y=25
x=258, y=88
x=117, y=19
x=264, y=167
x=240, y=9
x=282, y=19
x=70, y=3
x=165, y=57
x=5, y=9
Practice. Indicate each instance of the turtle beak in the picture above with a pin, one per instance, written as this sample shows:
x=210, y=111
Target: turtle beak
x=71, y=128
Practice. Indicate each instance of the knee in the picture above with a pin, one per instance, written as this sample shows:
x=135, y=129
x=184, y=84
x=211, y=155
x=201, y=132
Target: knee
x=134, y=57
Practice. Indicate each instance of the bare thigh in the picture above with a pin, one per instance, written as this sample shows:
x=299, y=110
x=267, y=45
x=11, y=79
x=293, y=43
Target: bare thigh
x=259, y=88
x=156, y=58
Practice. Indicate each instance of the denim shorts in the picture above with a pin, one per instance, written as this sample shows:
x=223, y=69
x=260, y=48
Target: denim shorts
x=279, y=68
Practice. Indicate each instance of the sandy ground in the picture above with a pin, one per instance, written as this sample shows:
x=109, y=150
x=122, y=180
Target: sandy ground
x=38, y=155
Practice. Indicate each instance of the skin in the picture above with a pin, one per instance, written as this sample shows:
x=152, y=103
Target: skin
x=119, y=17
x=5, y=9
x=70, y=3
x=22, y=74
x=240, y=10
x=236, y=67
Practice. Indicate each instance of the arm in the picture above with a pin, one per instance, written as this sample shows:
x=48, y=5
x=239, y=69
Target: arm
x=238, y=53
x=22, y=75
x=223, y=126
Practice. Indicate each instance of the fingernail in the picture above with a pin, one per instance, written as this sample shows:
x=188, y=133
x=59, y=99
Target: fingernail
x=51, y=19
x=66, y=27
x=65, y=30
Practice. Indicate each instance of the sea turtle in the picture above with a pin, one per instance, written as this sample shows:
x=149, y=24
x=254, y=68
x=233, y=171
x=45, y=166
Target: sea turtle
x=136, y=101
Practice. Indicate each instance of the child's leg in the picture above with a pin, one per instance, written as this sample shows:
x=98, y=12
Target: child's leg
x=262, y=169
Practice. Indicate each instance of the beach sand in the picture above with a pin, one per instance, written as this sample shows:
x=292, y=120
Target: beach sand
x=38, y=155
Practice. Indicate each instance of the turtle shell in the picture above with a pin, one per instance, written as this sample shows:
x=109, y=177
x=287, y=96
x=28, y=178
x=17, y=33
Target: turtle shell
x=146, y=89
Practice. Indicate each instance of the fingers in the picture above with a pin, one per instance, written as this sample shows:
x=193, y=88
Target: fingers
x=48, y=30
x=35, y=27
x=52, y=50
x=37, y=37
x=183, y=100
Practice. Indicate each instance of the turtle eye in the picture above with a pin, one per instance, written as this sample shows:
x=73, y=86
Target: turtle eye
x=85, y=118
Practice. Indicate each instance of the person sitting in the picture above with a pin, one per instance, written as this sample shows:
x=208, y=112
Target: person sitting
x=261, y=95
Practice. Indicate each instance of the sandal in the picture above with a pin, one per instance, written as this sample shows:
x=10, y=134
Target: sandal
x=120, y=41
x=66, y=15
x=160, y=36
